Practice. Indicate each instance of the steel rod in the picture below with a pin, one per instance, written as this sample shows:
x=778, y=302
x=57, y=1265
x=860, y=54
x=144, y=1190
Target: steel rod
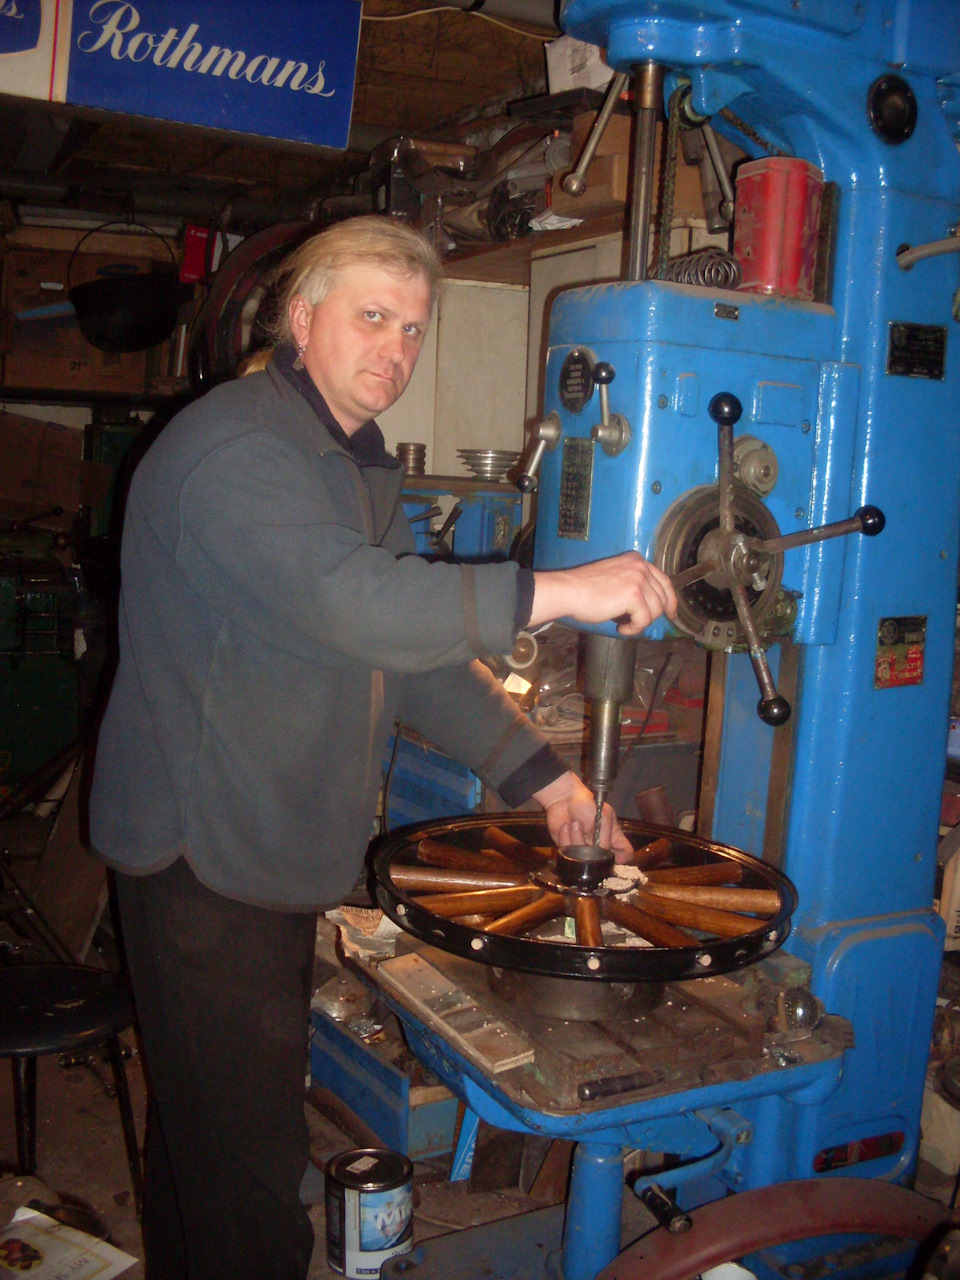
x=804, y=537
x=575, y=183
x=648, y=104
x=696, y=573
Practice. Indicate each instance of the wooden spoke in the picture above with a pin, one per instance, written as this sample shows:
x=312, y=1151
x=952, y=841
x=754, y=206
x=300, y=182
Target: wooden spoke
x=443, y=880
x=650, y=928
x=513, y=849
x=437, y=854
x=724, y=924
x=651, y=855
x=761, y=902
x=534, y=913
x=586, y=913
x=725, y=872
x=479, y=902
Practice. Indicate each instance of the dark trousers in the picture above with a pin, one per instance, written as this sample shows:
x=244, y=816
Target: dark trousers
x=222, y=993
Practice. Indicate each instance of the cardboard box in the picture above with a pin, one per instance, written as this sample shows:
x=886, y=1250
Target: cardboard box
x=574, y=64
x=608, y=183
x=43, y=348
x=615, y=145
x=41, y=467
x=616, y=136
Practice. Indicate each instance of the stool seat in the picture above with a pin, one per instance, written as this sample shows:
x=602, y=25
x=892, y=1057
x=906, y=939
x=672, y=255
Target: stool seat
x=59, y=1008
x=52, y=1008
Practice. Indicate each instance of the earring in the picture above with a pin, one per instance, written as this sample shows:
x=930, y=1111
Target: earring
x=298, y=363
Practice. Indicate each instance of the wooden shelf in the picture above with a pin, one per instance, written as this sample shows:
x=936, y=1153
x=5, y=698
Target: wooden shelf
x=509, y=263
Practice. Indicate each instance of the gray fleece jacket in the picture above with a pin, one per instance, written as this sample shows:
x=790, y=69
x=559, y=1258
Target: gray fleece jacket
x=274, y=622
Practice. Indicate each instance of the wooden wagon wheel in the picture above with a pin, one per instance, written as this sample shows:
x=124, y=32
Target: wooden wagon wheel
x=500, y=893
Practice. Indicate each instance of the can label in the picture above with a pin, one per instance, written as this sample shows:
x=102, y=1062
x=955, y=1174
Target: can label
x=365, y=1228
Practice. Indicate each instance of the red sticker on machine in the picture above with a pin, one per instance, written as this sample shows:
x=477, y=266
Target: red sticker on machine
x=900, y=648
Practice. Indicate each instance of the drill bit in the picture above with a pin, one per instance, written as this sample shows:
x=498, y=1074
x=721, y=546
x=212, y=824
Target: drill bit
x=600, y=794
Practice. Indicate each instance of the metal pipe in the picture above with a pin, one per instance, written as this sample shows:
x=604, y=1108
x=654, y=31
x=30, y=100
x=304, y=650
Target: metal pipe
x=647, y=106
x=723, y=178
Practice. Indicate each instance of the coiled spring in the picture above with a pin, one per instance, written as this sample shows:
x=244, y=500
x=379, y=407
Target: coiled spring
x=711, y=268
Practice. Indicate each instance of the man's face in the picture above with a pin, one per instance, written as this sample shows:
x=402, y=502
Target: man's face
x=360, y=344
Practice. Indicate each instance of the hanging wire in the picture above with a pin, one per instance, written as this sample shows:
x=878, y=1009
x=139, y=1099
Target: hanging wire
x=452, y=8
x=388, y=777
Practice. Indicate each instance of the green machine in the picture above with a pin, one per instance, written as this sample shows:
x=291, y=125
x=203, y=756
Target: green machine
x=41, y=646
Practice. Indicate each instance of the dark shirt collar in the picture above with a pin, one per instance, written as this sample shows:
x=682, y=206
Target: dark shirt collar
x=366, y=444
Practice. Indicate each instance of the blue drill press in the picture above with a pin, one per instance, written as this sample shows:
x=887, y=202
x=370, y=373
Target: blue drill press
x=669, y=407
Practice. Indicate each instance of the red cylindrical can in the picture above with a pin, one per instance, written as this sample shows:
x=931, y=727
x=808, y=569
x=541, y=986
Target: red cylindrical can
x=776, y=226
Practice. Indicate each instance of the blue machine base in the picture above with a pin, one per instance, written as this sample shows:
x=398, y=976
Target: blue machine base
x=526, y=1247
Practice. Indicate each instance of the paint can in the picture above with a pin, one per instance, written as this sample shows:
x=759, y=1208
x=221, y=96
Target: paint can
x=777, y=225
x=369, y=1203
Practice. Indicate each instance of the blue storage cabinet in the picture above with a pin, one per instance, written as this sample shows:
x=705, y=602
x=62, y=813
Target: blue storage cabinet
x=427, y=784
x=417, y=1120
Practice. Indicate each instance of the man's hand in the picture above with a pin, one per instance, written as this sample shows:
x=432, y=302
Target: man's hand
x=625, y=586
x=571, y=809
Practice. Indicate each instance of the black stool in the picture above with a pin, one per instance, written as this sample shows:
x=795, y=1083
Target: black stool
x=58, y=1008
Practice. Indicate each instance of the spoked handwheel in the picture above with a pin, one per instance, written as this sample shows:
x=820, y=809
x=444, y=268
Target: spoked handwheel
x=504, y=895
x=781, y=1214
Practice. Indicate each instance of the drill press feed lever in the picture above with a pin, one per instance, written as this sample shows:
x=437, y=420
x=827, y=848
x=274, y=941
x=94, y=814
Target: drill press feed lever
x=733, y=560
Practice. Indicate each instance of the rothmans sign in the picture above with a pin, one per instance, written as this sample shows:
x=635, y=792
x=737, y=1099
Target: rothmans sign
x=277, y=68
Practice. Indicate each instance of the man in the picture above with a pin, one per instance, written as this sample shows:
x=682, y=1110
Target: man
x=273, y=625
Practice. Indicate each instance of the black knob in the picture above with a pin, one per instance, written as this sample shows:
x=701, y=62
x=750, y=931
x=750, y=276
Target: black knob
x=871, y=520
x=603, y=373
x=526, y=484
x=774, y=711
x=725, y=408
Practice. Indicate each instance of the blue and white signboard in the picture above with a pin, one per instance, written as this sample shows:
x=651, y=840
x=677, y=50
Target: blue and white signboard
x=277, y=68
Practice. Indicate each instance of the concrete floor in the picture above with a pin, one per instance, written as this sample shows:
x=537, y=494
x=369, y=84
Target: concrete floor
x=81, y=1161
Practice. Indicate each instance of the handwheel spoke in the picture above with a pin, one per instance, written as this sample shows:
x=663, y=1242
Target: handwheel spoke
x=586, y=914
x=479, y=902
x=537, y=912
x=657, y=932
x=724, y=924
x=761, y=902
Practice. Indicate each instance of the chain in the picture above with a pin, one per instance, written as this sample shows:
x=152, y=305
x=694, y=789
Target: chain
x=669, y=179
x=749, y=132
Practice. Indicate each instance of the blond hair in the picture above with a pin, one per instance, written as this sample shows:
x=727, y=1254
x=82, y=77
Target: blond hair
x=254, y=361
x=375, y=240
